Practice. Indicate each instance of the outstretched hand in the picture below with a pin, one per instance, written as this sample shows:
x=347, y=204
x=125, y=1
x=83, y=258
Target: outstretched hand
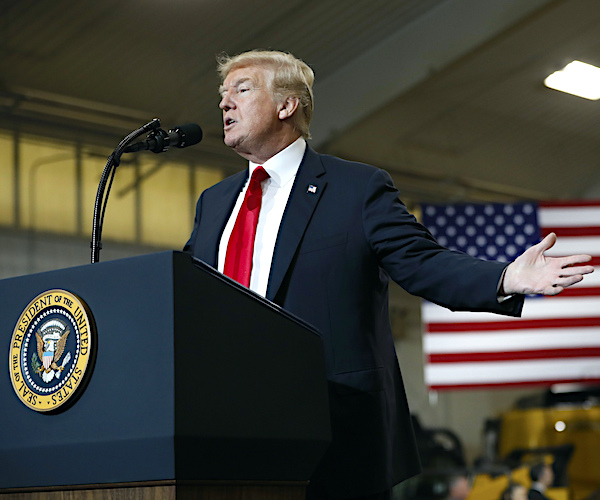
x=532, y=272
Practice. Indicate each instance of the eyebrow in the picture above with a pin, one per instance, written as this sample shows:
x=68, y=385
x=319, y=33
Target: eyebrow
x=237, y=83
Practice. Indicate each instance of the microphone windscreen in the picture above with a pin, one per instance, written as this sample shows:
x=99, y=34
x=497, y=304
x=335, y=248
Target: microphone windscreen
x=188, y=134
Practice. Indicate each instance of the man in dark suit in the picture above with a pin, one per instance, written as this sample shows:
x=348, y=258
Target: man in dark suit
x=329, y=235
x=542, y=476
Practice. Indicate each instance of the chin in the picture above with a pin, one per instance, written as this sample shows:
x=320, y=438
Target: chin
x=228, y=141
x=231, y=140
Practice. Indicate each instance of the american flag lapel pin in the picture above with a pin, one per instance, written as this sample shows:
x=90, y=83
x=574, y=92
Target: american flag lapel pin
x=311, y=189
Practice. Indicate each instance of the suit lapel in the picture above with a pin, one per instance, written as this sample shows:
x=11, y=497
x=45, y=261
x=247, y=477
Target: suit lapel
x=226, y=198
x=308, y=188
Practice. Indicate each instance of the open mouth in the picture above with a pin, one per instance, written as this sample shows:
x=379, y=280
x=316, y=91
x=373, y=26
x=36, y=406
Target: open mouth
x=229, y=121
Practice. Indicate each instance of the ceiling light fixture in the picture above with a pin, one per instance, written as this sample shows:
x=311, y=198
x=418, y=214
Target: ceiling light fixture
x=577, y=78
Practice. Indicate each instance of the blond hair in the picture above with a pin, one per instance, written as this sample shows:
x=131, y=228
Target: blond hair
x=291, y=78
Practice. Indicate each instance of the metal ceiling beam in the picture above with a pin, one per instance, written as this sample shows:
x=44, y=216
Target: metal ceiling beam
x=407, y=57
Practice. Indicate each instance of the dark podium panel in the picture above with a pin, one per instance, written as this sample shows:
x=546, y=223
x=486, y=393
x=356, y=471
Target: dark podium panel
x=196, y=379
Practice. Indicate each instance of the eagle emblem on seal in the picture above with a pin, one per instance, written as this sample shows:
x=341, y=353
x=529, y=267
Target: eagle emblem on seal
x=51, y=343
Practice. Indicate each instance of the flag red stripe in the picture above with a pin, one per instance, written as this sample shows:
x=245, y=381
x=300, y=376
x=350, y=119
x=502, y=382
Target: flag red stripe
x=579, y=292
x=570, y=231
x=473, y=357
x=503, y=385
x=517, y=324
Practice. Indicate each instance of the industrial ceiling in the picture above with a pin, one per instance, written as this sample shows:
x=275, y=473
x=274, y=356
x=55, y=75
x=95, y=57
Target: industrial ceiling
x=445, y=94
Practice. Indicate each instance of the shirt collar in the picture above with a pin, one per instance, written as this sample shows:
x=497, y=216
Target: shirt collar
x=538, y=486
x=284, y=165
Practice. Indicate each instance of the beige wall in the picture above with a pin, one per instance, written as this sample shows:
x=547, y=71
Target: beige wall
x=151, y=200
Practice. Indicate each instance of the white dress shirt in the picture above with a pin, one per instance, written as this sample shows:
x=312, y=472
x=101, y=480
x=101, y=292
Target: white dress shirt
x=282, y=169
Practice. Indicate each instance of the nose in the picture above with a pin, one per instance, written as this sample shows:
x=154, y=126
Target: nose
x=226, y=102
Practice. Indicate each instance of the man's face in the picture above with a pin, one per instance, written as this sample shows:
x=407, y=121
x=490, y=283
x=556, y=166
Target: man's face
x=460, y=488
x=250, y=115
x=547, y=476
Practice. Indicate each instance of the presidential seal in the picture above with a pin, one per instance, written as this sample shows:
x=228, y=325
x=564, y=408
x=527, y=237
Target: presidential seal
x=52, y=351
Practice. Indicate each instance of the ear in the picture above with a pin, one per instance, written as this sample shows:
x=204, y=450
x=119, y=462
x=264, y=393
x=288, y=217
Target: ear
x=288, y=107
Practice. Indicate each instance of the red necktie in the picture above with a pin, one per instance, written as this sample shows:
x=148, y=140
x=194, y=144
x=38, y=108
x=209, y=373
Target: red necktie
x=238, y=260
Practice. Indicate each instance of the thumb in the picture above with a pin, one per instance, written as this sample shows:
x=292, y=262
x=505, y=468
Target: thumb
x=547, y=243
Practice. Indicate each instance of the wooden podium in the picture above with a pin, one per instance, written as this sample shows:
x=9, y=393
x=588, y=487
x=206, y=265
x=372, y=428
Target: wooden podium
x=167, y=490
x=201, y=389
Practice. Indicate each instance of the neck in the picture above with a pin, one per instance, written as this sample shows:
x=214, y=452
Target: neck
x=269, y=149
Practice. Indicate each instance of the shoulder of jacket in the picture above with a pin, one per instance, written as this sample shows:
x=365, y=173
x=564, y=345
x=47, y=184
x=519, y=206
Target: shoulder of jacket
x=335, y=164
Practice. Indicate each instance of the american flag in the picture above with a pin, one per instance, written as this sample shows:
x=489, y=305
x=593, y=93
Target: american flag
x=557, y=339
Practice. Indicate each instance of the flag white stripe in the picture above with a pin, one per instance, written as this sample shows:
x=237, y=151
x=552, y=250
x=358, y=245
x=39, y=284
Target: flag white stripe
x=512, y=371
x=511, y=340
x=569, y=216
x=571, y=245
x=534, y=308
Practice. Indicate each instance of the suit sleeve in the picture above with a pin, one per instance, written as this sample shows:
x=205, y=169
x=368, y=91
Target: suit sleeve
x=414, y=260
x=189, y=246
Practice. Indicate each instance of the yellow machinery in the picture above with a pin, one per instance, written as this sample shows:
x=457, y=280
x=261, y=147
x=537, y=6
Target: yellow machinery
x=561, y=428
x=486, y=487
x=576, y=424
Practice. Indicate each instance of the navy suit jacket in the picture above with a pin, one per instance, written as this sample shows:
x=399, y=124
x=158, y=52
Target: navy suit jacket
x=335, y=252
x=534, y=494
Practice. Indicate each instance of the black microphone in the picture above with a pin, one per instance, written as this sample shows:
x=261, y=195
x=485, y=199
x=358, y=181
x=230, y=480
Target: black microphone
x=159, y=141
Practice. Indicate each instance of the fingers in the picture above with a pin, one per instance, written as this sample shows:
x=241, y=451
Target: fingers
x=572, y=260
x=553, y=290
x=571, y=271
x=562, y=283
x=565, y=281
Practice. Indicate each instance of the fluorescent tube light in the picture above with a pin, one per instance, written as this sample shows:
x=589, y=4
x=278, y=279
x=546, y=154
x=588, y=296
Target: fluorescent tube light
x=577, y=78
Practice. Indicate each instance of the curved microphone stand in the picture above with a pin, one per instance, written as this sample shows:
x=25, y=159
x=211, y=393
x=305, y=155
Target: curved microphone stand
x=109, y=171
